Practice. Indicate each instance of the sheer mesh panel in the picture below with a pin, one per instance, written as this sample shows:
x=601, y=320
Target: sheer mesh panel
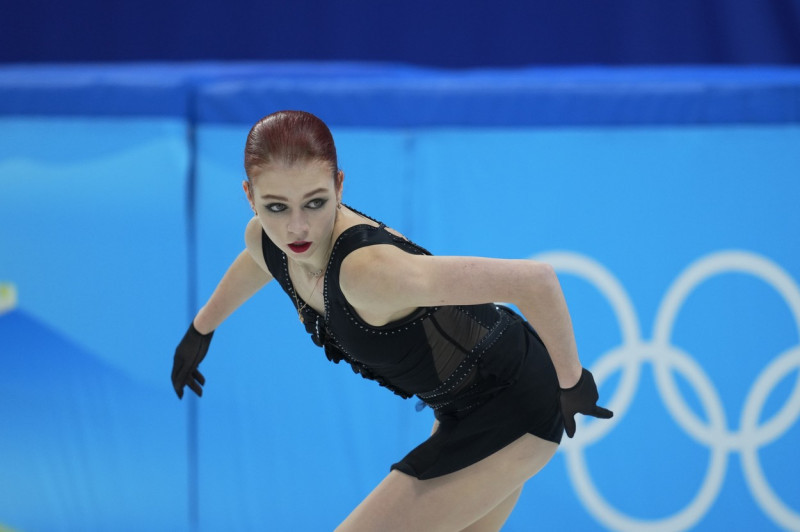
x=451, y=335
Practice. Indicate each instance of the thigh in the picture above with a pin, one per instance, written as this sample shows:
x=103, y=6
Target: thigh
x=497, y=516
x=454, y=501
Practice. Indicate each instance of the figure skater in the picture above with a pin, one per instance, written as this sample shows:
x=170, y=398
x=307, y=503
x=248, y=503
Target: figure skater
x=503, y=388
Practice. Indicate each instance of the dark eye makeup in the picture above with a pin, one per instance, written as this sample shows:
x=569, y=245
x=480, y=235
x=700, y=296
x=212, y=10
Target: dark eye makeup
x=275, y=207
x=314, y=204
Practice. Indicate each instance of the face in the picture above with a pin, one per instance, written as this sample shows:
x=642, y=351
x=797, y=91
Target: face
x=296, y=205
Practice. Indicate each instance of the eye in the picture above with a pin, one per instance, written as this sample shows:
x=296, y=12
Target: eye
x=316, y=203
x=275, y=207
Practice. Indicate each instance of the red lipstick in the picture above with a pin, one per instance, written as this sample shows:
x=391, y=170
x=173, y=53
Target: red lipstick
x=300, y=246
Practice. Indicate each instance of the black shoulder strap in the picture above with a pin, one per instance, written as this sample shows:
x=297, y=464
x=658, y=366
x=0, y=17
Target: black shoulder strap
x=273, y=257
x=359, y=236
x=363, y=238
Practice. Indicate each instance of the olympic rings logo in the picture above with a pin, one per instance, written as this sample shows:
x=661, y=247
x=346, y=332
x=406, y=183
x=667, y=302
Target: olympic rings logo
x=664, y=358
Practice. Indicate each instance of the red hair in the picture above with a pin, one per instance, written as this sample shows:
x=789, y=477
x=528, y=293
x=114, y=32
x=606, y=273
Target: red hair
x=289, y=137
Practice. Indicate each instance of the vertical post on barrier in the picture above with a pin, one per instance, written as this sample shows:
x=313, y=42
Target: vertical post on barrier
x=191, y=280
x=192, y=459
x=409, y=178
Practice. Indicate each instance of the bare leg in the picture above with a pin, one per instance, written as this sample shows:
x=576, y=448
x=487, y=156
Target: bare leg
x=496, y=518
x=455, y=501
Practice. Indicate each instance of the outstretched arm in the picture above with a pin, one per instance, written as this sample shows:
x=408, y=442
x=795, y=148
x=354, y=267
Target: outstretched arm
x=385, y=281
x=246, y=276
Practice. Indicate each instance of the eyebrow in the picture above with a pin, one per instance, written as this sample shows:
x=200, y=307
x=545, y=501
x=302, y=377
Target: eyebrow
x=281, y=198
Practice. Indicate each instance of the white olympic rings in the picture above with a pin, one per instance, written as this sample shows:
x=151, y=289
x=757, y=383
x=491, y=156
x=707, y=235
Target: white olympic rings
x=664, y=358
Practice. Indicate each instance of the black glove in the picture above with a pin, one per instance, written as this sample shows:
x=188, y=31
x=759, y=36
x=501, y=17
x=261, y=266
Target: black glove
x=188, y=355
x=581, y=399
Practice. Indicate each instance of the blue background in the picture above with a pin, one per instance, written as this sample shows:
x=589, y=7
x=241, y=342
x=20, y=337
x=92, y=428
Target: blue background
x=115, y=226
x=121, y=207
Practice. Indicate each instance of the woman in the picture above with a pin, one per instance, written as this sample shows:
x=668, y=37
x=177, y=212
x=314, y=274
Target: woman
x=418, y=324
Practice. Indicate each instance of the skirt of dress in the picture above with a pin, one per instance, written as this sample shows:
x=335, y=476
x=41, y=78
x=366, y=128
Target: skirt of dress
x=527, y=402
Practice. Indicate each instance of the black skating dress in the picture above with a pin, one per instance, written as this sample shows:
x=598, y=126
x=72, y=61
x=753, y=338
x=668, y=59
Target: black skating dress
x=481, y=368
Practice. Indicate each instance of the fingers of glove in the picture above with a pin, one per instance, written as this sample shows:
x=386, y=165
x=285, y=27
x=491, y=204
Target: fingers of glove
x=185, y=363
x=569, y=424
x=599, y=411
x=177, y=381
x=176, y=368
x=181, y=367
x=195, y=383
x=196, y=388
x=181, y=377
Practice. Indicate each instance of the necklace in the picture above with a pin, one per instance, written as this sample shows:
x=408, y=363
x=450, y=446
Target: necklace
x=318, y=276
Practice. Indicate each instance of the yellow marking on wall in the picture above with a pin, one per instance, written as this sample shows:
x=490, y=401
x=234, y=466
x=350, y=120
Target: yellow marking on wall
x=8, y=302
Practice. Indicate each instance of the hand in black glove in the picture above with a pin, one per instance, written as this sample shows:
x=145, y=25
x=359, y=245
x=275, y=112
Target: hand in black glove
x=581, y=399
x=188, y=355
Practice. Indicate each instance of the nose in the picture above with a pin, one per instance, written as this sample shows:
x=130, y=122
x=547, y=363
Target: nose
x=298, y=223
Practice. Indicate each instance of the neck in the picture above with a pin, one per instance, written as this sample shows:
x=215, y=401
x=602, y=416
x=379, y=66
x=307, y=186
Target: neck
x=316, y=268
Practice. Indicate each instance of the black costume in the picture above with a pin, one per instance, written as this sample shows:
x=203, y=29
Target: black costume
x=481, y=368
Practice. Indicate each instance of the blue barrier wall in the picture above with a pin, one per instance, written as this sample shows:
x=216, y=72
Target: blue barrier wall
x=665, y=198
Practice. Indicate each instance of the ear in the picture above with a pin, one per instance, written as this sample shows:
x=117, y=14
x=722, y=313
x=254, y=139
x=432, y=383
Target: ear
x=249, y=193
x=338, y=183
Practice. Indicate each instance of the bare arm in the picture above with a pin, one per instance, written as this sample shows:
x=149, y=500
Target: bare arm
x=383, y=281
x=246, y=276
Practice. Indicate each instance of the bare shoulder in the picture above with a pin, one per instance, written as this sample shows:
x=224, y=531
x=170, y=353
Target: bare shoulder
x=373, y=262
x=373, y=277
x=252, y=240
x=386, y=278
